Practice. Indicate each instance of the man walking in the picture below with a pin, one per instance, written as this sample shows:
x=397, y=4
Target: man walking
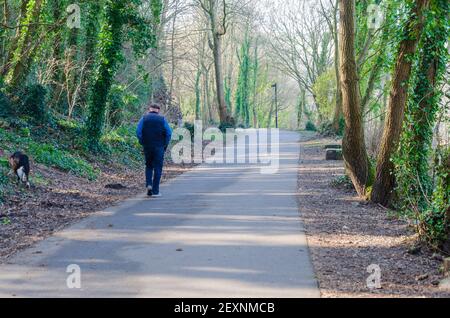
x=154, y=135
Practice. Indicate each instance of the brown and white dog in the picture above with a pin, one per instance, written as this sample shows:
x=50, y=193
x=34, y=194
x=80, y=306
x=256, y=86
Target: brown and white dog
x=20, y=164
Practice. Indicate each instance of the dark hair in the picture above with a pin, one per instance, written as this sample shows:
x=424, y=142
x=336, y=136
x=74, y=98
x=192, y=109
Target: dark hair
x=154, y=106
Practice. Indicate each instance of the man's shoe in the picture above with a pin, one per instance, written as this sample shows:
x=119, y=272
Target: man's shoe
x=149, y=191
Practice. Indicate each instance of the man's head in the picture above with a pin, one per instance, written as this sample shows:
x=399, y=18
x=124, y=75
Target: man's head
x=154, y=108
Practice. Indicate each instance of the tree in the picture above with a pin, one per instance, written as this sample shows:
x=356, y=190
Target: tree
x=92, y=30
x=242, y=111
x=109, y=50
x=19, y=64
x=198, y=112
x=218, y=27
x=384, y=179
x=255, y=72
x=21, y=16
x=301, y=104
x=412, y=163
x=332, y=21
x=57, y=51
x=111, y=37
x=353, y=144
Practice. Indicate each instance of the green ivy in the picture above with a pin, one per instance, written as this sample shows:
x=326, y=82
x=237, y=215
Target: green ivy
x=118, y=14
x=242, y=112
x=415, y=185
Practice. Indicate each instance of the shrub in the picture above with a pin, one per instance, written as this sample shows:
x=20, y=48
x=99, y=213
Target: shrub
x=115, y=106
x=3, y=176
x=326, y=129
x=435, y=220
x=5, y=106
x=122, y=145
x=70, y=129
x=191, y=128
x=34, y=102
x=50, y=155
x=68, y=125
x=343, y=182
x=310, y=126
x=18, y=123
x=228, y=125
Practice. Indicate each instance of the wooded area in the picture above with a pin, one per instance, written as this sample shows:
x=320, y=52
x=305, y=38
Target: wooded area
x=76, y=77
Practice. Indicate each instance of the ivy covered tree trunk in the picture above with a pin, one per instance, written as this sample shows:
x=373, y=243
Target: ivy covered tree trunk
x=58, y=50
x=92, y=30
x=412, y=171
x=243, y=90
x=227, y=87
x=255, y=67
x=109, y=55
x=14, y=42
x=442, y=199
x=198, y=112
x=338, y=107
x=353, y=146
x=301, y=104
x=24, y=51
x=385, y=180
x=3, y=32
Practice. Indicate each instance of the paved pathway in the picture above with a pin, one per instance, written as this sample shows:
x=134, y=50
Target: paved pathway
x=218, y=231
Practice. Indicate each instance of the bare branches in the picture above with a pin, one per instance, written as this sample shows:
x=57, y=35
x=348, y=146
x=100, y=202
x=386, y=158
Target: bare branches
x=300, y=45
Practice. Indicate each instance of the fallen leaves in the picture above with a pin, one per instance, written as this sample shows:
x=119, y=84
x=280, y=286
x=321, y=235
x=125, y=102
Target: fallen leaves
x=347, y=235
x=30, y=216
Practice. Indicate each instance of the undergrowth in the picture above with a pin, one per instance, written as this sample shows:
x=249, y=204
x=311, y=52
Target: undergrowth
x=59, y=144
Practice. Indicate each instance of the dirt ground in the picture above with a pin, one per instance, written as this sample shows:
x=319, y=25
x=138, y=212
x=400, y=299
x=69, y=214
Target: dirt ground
x=346, y=235
x=31, y=215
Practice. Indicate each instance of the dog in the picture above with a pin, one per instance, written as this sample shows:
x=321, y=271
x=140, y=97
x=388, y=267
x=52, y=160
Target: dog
x=20, y=164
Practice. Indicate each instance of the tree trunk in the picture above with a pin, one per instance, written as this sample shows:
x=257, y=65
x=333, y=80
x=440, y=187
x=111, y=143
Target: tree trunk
x=92, y=29
x=338, y=107
x=57, y=54
x=109, y=54
x=301, y=107
x=13, y=46
x=255, y=84
x=197, y=95
x=207, y=98
x=446, y=185
x=172, y=50
x=5, y=18
x=25, y=48
x=421, y=112
x=269, y=119
x=354, y=150
x=216, y=47
x=385, y=181
x=220, y=90
x=373, y=77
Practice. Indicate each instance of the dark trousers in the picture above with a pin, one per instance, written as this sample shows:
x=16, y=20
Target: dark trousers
x=154, y=161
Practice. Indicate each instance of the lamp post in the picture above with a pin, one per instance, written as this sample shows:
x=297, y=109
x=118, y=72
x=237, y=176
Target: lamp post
x=275, y=86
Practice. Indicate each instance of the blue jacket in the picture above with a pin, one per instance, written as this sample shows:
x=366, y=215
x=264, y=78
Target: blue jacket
x=153, y=131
